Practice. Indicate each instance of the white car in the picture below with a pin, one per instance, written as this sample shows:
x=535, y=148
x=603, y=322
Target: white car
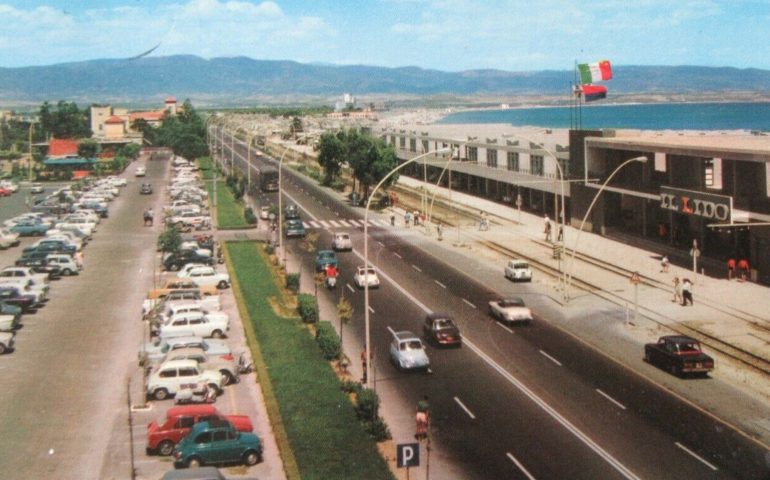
x=190, y=219
x=518, y=271
x=8, y=238
x=13, y=187
x=80, y=223
x=264, y=212
x=36, y=188
x=140, y=171
x=204, y=276
x=26, y=273
x=510, y=310
x=197, y=324
x=209, y=303
x=342, y=242
x=67, y=265
x=366, y=276
x=168, y=379
x=116, y=181
x=176, y=309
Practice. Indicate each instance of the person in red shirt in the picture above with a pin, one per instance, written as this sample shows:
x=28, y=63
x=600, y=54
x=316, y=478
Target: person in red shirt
x=730, y=268
x=743, y=266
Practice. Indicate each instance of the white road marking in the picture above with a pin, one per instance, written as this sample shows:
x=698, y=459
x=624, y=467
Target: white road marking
x=469, y=303
x=504, y=327
x=334, y=223
x=439, y=284
x=349, y=287
x=392, y=332
x=619, y=405
x=356, y=223
x=550, y=358
x=521, y=467
x=462, y=405
x=344, y=223
x=416, y=267
x=371, y=310
x=309, y=225
x=695, y=455
x=399, y=256
x=324, y=223
x=380, y=244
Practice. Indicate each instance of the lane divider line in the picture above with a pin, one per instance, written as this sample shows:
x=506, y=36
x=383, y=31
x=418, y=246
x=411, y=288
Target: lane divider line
x=550, y=358
x=462, y=405
x=416, y=268
x=696, y=456
x=504, y=327
x=439, y=284
x=396, y=254
x=618, y=404
x=350, y=288
x=520, y=466
x=469, y=303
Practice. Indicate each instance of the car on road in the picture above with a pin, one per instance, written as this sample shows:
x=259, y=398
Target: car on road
x=407, y=352
x=366, y=276
x=36, y=188
x=510, y=310
x=678, y=354
x=5, y=192
x=325, y=258
x=518, y=271
x=264, y=212
x=163, y=436
x=168, y=379
x=140, y=171
x=8, y=238
x=145, y=189
x=6, y=342
x=439, y=329
x=291, y=213
x=216, y=444
x=205, y=276
x=294, y=228
x=342, y=242
x=9, y=185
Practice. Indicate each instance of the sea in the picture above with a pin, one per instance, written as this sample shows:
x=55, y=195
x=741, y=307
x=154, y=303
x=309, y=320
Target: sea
x=659, y=116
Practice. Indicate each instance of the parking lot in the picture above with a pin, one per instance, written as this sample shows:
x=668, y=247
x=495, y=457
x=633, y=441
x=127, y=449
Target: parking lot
x=69, y=386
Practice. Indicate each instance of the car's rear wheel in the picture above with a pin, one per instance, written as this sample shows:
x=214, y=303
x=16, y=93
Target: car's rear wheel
x=2, y=349
x=251, y=458
x=160, y=394
x=194, y=462
x=166, y=448
x=229, y=377
x=647, y=356
x=217, y=334
x=66, y=272
x=222, y=285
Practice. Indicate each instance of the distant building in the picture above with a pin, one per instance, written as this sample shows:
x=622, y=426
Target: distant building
x=115, y=124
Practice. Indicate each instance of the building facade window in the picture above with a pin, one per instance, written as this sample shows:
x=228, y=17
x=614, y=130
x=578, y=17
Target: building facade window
x=473, y=154
x=425, y=146
x=536, y=165
x=402, y=142
x=564, y=164
x=513, y=161
x=491, y=158
x=393, y=140
x=412, y=145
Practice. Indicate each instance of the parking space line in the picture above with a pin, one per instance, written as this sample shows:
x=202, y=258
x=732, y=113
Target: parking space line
x=380, y=244
x=399, y=256
x=619, y=405
x=695, y=455
x=350, y=288
x=462, y=405
x=469, y=303
x=504, y=327
x=520, y=466
x=550, y=358
x=439, y=284
x=371, y=310
x=416, y=268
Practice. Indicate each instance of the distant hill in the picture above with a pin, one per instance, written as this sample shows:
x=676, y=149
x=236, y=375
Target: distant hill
x=228, y=81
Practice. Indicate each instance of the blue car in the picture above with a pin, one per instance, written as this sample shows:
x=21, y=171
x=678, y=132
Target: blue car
x=28, y=228
x=325, y=258
x=294, y=228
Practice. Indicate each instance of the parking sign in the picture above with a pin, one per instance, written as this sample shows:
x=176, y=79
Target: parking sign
x=408, y=455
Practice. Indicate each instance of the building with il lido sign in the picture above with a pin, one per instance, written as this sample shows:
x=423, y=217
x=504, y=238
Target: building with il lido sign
x=710, y=189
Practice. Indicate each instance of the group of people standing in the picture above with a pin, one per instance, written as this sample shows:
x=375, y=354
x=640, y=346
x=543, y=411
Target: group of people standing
x=682, y=292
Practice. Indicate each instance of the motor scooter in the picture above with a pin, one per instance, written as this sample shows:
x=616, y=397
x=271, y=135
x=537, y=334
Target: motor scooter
x=195, y=393
x=331, y=282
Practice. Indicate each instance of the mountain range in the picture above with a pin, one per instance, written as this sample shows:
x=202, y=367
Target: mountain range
x=241, y=80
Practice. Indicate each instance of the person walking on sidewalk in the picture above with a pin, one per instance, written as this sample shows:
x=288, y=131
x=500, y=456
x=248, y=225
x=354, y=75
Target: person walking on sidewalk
x=686, y=292
x=392, y=219
x=730, y=268
x=664, y=264
x=547, y=229
x=743, y=266
x=677, y=291
x=422, y=418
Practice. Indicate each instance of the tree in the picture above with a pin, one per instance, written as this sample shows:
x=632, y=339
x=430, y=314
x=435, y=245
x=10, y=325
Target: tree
x=189, y=146
x=66, y=122
x=170, y=240
x=148, y=132
x=130, y=151
x=331, y=155
x=345, y=314
x=296, y=126
x=88, y=149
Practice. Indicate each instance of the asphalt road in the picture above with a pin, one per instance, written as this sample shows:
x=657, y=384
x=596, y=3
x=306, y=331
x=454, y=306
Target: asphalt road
x=526, y=402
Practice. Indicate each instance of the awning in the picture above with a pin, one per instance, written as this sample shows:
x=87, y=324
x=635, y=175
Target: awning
x=68, y=161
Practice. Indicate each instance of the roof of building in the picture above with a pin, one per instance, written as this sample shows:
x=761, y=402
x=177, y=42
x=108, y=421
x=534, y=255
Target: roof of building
x=171, y=100
x=62, y=147
x=114, y=120
x=151, y=116
x=69, y=161
x=705, y=143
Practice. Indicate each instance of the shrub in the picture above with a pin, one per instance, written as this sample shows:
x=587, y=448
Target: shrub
x=351, y=386
x=378, y=429
x=292, y=281
x=249, y=216
x=328, y=340
x=368, y=405
x=270, y=249
x=307, y=306
x=338, y=184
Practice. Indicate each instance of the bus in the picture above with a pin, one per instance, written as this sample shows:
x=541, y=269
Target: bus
x=268, y=179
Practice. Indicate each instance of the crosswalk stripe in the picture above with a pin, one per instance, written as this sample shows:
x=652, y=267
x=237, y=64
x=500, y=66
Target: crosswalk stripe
x=324, y=223
x=344, y=223
x=309, y=224
x=355, y=223
x=334, y=223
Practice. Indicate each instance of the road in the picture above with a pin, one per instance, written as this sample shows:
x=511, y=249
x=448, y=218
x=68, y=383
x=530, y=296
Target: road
x=526, y=402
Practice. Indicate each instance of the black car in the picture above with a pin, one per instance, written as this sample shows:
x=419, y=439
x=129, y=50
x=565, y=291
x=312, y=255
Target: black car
x=175, y=261
x=14, y=296
x=51, y=246
x=10, y=309
x=291, y=213
x=145, y=189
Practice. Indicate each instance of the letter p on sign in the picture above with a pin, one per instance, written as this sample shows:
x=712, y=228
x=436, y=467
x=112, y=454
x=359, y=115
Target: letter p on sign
x=408, y=455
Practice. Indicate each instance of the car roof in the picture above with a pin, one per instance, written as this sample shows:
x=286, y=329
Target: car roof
x=514, y=300
x=405, y=335
x=180, y=363
x=679, y=338
x=191, y=410
x=437, y=315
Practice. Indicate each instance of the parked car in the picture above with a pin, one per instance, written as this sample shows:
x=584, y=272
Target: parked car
x=365, y=276
x=8, y=238
x=175, y=261
x=294, y=228
x=407, y=352
x=180, y=284
x=5, y=192
x=40, y=264
x=65, y=263
x=189, y=220
x=518, y=271
x=342, y=242
x=325, y=258
x=145, y=189
x=216, y=444
x=9, y=322
x=679, y=355
x=439, y=329
x=14, y=295
x=264, y=212
x=195, y=323
x=6, y=342
x=291, y=213
x=51, y=245
x=205, y=276
x=26, y=273
x=168, y=379
x=227, y=365
x=178, y=422
x=207, y=302
x=152, y=353
x=30, y=227
x=510, y=310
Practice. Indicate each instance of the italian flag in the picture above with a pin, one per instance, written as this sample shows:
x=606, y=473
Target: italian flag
x=595, y=72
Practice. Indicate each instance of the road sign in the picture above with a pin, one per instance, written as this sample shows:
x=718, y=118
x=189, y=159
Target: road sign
x=407, y=455
x=695, y=252
x=635, y=279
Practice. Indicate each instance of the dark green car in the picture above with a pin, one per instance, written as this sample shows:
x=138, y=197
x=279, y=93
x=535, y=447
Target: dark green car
x=294, y=228
x=324, y=258
x=217, y=443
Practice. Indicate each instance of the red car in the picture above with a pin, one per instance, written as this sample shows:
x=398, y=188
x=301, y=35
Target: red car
x=5, y=192
x=162, y=437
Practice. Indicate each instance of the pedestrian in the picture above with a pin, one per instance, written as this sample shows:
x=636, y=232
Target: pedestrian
x=440, y=231
x=364, y=360
x=664, y=264
x=686, y=292
x=730, y=268
x=422, y=418
x=483, y=224
x=79, y=259
x=743, y=266
x=561, y=233
x=547, y=229
x=392, y=219
x=677, y=291
x=407, y=219
x=416, y=218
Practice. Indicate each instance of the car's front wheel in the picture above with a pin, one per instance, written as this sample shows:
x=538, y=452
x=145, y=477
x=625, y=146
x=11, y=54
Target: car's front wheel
x=66, y=272
x=166, y=448
x=3, y=349
x=160, y=394
x=217, y=334
x=251, y=458
x=230, y=378
x=222, y=285
x=194, y=462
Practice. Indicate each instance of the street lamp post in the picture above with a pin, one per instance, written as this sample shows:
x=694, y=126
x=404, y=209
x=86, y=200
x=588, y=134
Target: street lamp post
x=568, y=286
x=366, y=253
x=280, y=208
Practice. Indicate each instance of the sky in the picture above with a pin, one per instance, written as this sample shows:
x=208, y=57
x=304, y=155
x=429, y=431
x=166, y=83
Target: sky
x=448, y=35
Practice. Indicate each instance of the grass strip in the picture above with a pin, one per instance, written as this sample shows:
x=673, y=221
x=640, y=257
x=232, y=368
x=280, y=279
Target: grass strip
x=229, y=212
x=325, y=435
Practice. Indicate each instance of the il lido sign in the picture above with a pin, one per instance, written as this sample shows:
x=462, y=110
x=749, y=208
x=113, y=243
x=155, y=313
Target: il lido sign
x=707, y=205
